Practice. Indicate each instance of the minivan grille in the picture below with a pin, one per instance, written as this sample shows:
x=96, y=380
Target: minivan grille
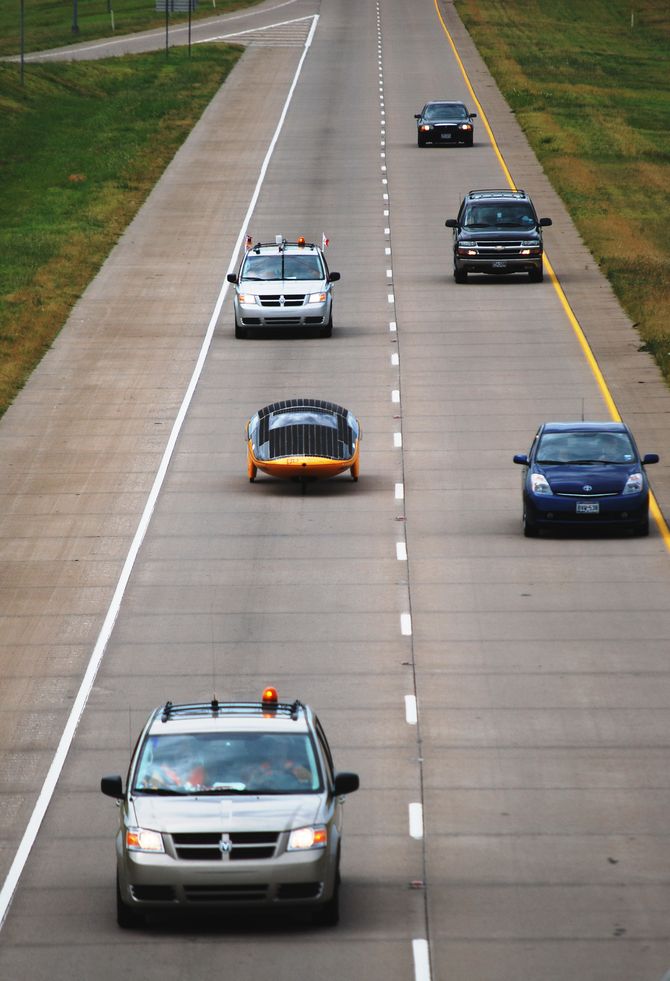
x=215, y=846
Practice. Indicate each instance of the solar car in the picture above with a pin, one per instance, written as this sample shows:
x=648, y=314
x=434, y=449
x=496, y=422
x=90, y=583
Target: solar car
x=580, y=474
x=230, y=805
x=303, y=439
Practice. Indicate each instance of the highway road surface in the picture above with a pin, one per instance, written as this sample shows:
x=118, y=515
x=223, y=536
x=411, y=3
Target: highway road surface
x=504, y=700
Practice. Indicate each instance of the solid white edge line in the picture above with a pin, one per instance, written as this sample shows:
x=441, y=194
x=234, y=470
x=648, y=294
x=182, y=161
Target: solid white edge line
x=421, y=960
x=416, y=820
x=411, y=714
x=406, y=624
x=65, y=742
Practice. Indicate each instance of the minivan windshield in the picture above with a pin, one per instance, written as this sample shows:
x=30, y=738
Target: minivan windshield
x=228, y=763
x=269, y=268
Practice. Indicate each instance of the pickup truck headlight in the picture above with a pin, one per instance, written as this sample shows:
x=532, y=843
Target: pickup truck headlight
x=144, y=840
x=306, y=838
x=634, y=484
x=539, y=484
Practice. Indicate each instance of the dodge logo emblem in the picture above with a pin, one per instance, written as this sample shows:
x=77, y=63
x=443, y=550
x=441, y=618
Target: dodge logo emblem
x=225, y=844
x=282, y=300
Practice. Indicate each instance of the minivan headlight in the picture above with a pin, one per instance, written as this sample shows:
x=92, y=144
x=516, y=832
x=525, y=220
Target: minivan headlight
x=304, y=838
x=247, y=298
x=144, y=840
x=316, y=298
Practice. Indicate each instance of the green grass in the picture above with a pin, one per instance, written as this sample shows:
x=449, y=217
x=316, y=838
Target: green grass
x=81, y=146
x=48, y=23
x=591, y=93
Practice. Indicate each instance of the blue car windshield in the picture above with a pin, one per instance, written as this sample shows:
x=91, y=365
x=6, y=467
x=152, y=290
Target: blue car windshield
x=584, y=447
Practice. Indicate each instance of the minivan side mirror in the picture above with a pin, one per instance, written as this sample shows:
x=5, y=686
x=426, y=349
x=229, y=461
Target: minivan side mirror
x=451, y=223
x=520, y=458
x=112, y=786
x=345, y=783
x=231, y=277
x=649, y=458
x=334, y=277
x=546, y=221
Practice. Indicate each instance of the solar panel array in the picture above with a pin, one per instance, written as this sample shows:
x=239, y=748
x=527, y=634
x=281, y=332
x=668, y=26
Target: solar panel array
x=307, y=439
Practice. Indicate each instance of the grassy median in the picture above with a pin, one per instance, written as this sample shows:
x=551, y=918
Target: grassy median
x=81, y=146
x=588, y=82
x=48, y=23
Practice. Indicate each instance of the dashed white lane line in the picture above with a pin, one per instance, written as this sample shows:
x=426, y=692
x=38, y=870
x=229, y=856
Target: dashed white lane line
x=393, y=326
x=406, y=624
x=389, y=274
x=399, y=492
x=416, y=820
x=411, y=715
x=395, y=395
x=395, y=358
x=387, y=231
x=421, y=960
x=401, y=551
x=387, y=250
x=397, y=440
x=391, y=298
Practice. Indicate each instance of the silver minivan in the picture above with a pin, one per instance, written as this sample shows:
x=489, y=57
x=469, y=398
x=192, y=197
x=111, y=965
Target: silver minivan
x=281, y=285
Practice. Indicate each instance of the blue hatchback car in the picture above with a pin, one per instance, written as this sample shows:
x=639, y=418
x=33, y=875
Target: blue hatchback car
x=579, y=474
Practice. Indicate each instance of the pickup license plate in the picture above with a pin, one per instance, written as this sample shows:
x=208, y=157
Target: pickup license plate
x=588, y=507
x=499, y=265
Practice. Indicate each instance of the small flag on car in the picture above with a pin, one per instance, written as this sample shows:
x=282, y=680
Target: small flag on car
x=325, y=242
x=248, y=242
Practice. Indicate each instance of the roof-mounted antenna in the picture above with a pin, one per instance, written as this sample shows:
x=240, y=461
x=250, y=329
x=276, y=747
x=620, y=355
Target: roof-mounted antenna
x=166, y=712
x=215, y=705
x=582, y=408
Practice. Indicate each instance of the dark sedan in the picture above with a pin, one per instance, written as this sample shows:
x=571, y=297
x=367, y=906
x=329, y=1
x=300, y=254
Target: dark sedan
x=446, y=123
x=585, y=473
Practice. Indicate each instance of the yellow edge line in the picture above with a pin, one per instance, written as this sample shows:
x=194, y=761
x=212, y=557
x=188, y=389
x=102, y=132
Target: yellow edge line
x=576, y=326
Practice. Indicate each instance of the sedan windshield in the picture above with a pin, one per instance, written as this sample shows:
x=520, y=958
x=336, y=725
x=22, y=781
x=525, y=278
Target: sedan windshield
x=445, y=110
x=274, y=268
x=227, y=763
x=584, y=448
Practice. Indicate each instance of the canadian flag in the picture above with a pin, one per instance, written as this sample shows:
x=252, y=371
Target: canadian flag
x=325, y=242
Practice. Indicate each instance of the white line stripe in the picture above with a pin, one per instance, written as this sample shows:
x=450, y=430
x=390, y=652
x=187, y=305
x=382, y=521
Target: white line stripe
x=405, y=624
x=397, y=439
x=401, y=551
x=416, y=820
x=387, y=250
x=395, y=359
x=387, y=231
x=421, y=960
x=389, y=274
x=392, y=326
x=399, y=492
x=395, y=395
x=252, y=30
x=53, y=774
x=411, y=715
x=391, y=297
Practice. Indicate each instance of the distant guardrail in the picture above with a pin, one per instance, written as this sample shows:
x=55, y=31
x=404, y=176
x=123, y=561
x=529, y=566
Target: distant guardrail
x=176, y=6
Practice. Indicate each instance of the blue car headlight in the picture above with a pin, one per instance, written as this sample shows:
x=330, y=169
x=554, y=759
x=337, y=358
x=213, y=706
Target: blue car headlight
x=634, y=484
x=540, y=485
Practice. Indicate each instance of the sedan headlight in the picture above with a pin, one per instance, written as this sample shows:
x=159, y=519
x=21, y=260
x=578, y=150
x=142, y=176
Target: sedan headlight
x=539, y=484
x=634, y=484
x=305, y=838
x=316, y=298
x=143, y=840
x=247, y=298
x=425, y=128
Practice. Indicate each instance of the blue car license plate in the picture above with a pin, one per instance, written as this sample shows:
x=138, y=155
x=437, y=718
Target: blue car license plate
x=588, y=507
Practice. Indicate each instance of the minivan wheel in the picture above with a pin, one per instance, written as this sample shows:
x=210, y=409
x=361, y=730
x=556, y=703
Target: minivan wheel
x=329, y=913
x=240, y=332
x=327, y=331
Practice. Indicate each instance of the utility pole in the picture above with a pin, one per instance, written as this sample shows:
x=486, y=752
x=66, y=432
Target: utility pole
x=75, y=23
x=22, y=37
